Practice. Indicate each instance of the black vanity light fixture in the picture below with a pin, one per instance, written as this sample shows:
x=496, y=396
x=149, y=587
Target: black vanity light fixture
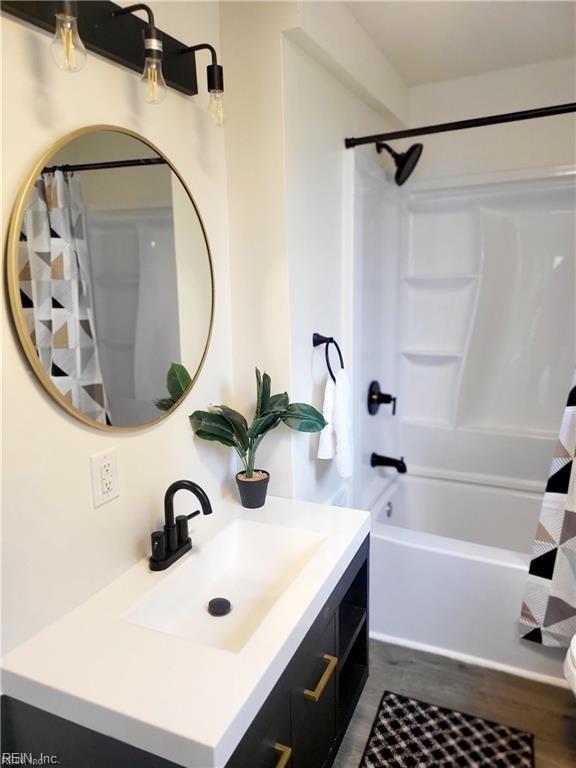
x=153, y=83
x=116, y=33
x=215, y=81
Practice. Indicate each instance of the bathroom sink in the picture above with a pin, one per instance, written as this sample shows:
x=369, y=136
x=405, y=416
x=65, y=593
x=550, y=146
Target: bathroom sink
x=250, y=564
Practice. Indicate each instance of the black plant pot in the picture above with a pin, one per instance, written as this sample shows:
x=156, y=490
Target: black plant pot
x=253, y=492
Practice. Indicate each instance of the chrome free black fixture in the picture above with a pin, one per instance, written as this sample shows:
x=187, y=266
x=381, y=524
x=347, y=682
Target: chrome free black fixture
x=459, y=125
x=114, y=32
x=214, y=79
x=152, y=76
x=317, y=340
x=376, y=398
x=405, y=161
x=385, y=461
x=170, y=544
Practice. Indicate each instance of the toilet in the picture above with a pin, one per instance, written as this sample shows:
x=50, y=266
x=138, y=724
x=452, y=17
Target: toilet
x=570, y=665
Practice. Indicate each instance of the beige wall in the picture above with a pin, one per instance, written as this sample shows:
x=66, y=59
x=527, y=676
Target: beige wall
x=288, y=113
x=545, y=142
x=58, y=549
x=252, y=57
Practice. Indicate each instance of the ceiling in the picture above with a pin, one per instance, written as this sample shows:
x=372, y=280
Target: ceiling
x=437, y=40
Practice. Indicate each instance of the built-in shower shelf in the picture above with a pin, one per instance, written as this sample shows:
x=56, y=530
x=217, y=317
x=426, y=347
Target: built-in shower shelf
x=439, y=353
x=440, y=279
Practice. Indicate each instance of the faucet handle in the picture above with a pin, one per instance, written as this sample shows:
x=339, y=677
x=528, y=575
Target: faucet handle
x=182, y=529
x=158, y=546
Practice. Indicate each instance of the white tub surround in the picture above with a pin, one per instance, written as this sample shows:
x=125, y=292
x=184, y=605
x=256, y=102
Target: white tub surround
x=188, y=700
x=448, y=569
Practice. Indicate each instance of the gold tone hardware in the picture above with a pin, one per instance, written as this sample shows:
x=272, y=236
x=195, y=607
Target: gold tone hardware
x=323, y=682
x=285, y=755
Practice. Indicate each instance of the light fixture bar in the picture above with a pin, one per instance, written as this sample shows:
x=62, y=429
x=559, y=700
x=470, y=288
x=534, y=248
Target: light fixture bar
x=118, y=39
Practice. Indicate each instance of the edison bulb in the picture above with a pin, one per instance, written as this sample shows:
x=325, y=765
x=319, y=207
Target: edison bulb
x=68, y=49
x=153, y=83
x=216, y=107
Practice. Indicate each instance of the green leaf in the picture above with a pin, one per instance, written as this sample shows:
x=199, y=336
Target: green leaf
x=164, y=404
x=178, y=381
x=237, y=422
x=278, y=403
x=212, y=426
x=258, y=391
x=263, y=424
x=303, y=418
x=262, y=392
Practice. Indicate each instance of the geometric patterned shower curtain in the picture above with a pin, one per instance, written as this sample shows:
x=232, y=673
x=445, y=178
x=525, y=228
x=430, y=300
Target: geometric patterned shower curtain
x=55, y=292
x=549, y=609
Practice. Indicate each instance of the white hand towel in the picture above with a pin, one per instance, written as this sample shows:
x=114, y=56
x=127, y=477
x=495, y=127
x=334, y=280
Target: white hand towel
x=343, y=425
x=326, y=449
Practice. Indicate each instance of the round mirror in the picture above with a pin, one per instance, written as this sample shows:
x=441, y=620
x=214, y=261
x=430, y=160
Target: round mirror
x=110, y=278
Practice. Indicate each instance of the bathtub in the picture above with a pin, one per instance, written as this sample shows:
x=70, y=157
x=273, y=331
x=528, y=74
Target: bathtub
x=448, y=565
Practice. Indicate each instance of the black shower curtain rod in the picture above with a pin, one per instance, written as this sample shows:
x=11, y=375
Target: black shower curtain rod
x=104, y=165
x=459, y=125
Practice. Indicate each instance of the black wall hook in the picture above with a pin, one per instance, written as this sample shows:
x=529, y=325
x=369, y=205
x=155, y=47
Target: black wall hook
x=317, y=340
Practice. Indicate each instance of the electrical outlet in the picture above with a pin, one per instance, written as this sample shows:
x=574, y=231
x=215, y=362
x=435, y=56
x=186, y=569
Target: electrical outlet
x=104, y=469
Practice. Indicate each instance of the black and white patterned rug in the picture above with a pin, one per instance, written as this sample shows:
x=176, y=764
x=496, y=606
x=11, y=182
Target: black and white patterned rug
x=410, y=734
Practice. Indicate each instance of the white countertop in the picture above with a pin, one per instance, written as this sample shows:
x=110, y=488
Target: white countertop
x=183, y=701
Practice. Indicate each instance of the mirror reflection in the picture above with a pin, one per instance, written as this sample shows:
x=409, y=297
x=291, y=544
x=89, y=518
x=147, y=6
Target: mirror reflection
x=114, y=279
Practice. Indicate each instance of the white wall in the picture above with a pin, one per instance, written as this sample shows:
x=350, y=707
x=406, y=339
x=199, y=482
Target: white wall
x=376, y=264
x=330, y=33
x=288, y=115
x=57, y=549
x=548, y=141
x=319, y=112
x=451, y=160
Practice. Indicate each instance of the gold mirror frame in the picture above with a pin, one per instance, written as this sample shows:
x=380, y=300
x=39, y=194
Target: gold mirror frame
x=13, y=282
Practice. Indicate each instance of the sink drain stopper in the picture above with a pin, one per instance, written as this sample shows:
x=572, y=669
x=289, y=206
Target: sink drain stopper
x=219, y=606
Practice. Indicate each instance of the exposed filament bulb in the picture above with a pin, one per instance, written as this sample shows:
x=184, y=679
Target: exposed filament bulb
x=67, y=48
x=152, y=80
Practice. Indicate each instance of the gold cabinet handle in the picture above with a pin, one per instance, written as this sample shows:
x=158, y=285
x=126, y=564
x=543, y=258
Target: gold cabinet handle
x=285, y=755
x=323, y=682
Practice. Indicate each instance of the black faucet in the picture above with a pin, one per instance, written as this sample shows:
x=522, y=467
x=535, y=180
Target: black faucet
x=385, y=461
x=170, y=544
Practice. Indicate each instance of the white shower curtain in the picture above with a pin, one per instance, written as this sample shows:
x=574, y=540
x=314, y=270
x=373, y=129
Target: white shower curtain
x=55, y=292
x=549, y=609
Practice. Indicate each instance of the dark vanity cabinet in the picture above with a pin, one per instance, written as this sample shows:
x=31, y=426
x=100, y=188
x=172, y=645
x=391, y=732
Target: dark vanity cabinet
x=300, y=725
x=302, y=722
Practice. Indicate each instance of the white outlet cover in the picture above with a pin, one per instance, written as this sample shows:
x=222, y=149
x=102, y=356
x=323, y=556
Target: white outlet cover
x=104, y=471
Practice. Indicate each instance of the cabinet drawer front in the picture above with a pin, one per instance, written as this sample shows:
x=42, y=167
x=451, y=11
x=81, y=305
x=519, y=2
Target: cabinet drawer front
x=269, y=743
x=313, y=701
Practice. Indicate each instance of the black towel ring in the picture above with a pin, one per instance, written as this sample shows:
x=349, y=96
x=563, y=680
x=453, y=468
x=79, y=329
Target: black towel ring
x=318, y=339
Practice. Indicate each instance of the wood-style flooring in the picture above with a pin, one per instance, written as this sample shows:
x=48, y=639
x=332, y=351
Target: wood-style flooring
x=549, y=712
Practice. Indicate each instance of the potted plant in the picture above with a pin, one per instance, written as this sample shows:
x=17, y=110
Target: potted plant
x=227, y=426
